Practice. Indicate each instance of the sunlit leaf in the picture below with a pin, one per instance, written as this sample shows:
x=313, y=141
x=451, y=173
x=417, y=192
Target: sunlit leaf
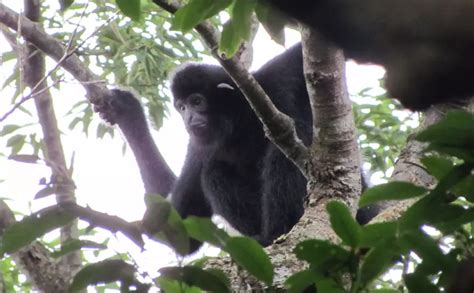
x=171, y=230
x=9, y=128
x=191, y=14
x=203, y=229
x=273, y=21
x=237, y=29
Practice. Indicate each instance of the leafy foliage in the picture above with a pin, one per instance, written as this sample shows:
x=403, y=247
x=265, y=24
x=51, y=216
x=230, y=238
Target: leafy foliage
x=383, y=128
x=131, y=54
x=386, y=244
x=32, y=227
x=106, y=271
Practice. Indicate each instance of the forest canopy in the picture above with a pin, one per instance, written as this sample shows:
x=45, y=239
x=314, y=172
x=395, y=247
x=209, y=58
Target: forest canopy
x=67, y=230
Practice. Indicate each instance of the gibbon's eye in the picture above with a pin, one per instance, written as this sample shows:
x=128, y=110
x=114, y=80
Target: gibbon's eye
x=196, y=100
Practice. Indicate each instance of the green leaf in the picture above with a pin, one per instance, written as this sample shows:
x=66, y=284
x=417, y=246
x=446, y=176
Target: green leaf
x=204, y=230
x=416, y=215
x=158, y=212
x=453, y=177
x=238, y=28
x=242, y=17
x=197, y=277
x=272, y=20
x=343, y=223
x=427, y=249
x=32, y=159
x=103, y=129
x=300, y=281
x=27, y=230
x=465, y=188
x=396, y=190
x=170, y=285
x=373, y=234
x=454, y=223
x=106, y=271
x=378, y=260
x=171, y=230
x=16, y=142
x=419, y=283
x=9, y=128
x=75, y=245
x=193, y=13
x=455, y=129
x=437, y=166
x=230, y=41
x=320, y=253
x=65, y=4
x=9, y=55
x=328, y=285
x=452, y=135
x=131, y=8
x=251, y=256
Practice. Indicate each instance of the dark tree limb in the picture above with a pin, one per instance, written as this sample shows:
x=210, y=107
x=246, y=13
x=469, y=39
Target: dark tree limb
x=111, y=223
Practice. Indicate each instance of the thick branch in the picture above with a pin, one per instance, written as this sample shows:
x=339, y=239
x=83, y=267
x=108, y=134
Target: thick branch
x=408, y=166
x=335, y=160
x=278, y=127
x=111, y=223
x=34, y=71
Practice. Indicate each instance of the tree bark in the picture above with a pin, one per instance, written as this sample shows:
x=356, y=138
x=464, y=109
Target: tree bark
x=35, y=261
x=34, y=71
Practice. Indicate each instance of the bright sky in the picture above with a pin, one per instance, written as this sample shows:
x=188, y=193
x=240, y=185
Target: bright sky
x=106, y=180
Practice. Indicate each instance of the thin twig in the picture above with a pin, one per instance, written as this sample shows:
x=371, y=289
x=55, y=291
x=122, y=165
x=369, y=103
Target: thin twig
x=67, y=53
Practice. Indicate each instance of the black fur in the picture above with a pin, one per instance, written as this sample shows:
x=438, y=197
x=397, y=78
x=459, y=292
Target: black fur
x=425, y=46
x=231, y=168
x=242, y=176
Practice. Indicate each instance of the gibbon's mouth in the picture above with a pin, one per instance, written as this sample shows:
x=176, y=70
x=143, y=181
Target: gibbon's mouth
x=199, y=129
